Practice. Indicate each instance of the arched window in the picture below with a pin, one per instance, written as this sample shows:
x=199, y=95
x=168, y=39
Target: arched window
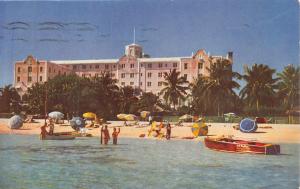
x=29, y=69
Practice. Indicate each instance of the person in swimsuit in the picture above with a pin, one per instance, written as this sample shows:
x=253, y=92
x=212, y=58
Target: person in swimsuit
x=44, y=132
x=168, y=134
x=115, y=135
x=105, y=133
x=51, y=126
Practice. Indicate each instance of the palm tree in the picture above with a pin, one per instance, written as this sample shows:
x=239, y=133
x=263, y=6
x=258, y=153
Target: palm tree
x=289, y=89
x=128, y=100
x=260, y=86
x=218, y=89
x=175, y=88
x=149, y=102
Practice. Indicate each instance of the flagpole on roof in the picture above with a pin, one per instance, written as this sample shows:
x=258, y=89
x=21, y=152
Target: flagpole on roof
x=133, y=35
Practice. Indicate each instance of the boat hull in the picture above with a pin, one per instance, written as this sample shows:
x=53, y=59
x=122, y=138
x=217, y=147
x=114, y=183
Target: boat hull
x=241, y=146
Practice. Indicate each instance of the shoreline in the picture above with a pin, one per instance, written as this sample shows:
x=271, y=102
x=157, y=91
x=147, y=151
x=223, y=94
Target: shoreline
x=278, y=133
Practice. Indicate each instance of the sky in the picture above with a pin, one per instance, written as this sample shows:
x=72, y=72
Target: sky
x=263, y=32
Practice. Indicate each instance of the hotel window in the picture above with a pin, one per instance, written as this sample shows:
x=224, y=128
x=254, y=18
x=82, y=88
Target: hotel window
x=83, y=66
x=74, y=67
x=91, y=66
x=166, y=65
x=149, y=74
x=122, y=83
x=106, y=66
x=59, y=72
x=54, y=71
x=19, y=69
x=41, y=78
x=149, y=65
x=29, y=79
x=131, y=75
x=29, y=69
x=142, y=65
x=141, y=74
x=149, y=84
x=159, y=83
x=200, y=65
x=131, y=65
x=131, y=83
x=185, y=76
x=114, y=66
x=83, y=75
x=96, y=75
x=49, y=70
x=185, y=66
x=97, y=66
x=65, y=73
x=41, y=69
x=160, y=65
x=18, y=79
x=174, y=65
x=122, y=75
x=160, y=74
x=122, y=65
x=141, y=83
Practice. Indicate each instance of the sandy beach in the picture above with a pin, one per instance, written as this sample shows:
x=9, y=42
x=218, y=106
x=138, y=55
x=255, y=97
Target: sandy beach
x=278, y=133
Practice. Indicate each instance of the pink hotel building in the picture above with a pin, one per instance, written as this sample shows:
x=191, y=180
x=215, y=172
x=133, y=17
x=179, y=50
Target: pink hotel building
x=133, y=68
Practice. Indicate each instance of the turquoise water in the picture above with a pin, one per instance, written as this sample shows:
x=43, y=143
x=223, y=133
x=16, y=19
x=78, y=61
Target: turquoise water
x=26, y=162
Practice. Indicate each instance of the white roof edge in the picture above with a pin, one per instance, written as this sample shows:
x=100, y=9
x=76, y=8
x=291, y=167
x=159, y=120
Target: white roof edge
x=162, y=59
x=92, y=61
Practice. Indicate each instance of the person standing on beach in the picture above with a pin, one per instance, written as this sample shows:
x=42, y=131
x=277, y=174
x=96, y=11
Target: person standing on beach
x=51, y=126
x=106, y=136
x=44, y=132
x=115, y=135
x=168, y=134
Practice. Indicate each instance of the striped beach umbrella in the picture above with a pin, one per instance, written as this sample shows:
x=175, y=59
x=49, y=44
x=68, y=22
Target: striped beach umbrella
x=185, y=117
x=77, y=123
x=199, y=129
x=15, y=122
x=248, y=125
x=56, y=115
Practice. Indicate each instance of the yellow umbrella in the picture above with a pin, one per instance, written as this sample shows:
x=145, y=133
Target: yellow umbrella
x=130, y=117
x=121, y=116
x=144, y=114
x=89, y=115
x=199, y=128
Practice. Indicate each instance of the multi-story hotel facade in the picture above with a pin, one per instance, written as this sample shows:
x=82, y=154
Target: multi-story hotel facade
x=133, y=69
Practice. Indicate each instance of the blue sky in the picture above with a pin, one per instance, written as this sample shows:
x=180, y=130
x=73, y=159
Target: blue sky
x=256, y=31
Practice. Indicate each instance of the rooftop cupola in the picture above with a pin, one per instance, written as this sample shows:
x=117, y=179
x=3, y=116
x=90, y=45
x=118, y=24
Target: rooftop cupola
x=134, y=50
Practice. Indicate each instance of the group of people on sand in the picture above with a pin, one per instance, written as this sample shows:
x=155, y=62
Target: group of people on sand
x=158, y=129
x=49, y=123
x=105, y=135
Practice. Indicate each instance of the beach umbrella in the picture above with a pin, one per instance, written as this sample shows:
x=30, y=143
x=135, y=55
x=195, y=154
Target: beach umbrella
x=248, y=125
x=144, y=114
x=130, y=117
x=185, y=117
x=199, y=129
x=121, y=116
x=89, y=115
x=77, y=123
x=15, y=122
x=56, y=115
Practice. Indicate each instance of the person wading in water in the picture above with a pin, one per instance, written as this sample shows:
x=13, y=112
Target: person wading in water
x=105, y=134
x=115, y=135
x=168, y=134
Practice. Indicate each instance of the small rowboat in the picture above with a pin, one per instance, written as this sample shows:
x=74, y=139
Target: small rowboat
x=58, y=137
x=241, y=146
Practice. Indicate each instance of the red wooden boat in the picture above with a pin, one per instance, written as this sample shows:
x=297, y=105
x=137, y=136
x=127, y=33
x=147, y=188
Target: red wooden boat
x=241, y=146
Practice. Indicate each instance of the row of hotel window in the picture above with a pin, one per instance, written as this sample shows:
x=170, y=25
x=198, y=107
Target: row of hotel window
x=29, y=70
x=149, y=75
x=29, y=79
x=160, y=65
x=149, y=84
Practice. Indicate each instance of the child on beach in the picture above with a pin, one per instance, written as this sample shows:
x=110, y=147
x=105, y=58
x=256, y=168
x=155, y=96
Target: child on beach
x=115, y=135
x=105, y=133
